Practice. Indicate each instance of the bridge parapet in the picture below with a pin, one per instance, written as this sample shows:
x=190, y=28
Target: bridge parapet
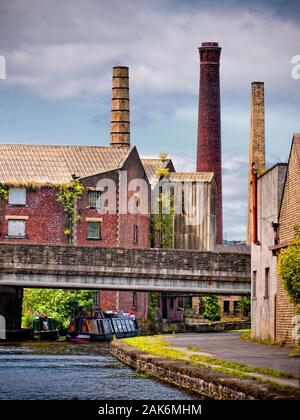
x=66, y=264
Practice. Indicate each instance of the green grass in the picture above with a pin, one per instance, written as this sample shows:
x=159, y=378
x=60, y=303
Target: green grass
x=195, y=349
x=241, y=367
x=158, y=347
x=295, y=353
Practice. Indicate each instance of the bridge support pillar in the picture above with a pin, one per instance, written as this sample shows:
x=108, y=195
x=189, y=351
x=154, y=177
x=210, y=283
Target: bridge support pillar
x=10, y=312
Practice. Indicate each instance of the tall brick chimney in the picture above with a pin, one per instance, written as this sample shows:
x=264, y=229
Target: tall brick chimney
x=120, y=118
x=209, y=157
x=257, y=142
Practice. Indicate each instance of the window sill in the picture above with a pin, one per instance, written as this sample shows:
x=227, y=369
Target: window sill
x=266, y=297
x=93, y=239
x=16, y=205
x=16, y=237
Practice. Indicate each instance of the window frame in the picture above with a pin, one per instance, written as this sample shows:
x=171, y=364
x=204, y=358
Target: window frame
x=97, y=193
x=22, y=202
x=20, y=221
x=94, y=238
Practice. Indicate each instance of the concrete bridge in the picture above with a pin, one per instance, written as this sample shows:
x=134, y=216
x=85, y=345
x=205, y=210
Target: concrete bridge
x=57, y=266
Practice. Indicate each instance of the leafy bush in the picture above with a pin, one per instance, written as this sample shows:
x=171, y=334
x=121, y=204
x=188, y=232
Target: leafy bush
x=244, y=306
x=289, y=269
x=152, y=306
x=212, y=310
x=55, y=303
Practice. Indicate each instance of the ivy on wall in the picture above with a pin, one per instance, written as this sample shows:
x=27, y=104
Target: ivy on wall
x=67, y=197
x=289, y=268
x=161, y=226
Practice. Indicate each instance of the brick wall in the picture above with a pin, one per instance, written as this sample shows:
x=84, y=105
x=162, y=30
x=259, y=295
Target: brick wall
x=46, y=223
x=209, y=124
x=289, y=217
x=46, y=220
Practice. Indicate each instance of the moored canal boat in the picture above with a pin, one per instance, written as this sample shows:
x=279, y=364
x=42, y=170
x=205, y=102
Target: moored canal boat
x=45, y=328
x=101, y=326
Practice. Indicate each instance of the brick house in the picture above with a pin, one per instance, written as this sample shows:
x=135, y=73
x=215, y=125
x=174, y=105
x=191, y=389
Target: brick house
x=287, y=321
x=32, y=214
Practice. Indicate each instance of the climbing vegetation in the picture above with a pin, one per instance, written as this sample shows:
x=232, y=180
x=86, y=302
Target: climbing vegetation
x=289, y=268
x=67, y=197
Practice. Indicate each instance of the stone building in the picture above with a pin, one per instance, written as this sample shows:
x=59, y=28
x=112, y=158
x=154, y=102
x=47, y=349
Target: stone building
x=278, y=204
x=263, y=262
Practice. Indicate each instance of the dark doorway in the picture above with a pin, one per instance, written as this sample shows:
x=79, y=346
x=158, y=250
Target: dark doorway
x=164, y=307
x=226, y=307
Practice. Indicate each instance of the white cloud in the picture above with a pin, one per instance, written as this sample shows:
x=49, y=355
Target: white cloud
x=70, y=53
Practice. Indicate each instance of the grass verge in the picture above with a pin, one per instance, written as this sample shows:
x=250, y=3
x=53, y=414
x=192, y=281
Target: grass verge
x=158, y=347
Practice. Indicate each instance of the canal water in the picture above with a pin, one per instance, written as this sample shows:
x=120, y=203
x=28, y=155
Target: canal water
x=66, y=371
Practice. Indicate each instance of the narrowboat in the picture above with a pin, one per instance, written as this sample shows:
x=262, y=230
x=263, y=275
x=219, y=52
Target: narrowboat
x=45, y=328
x=101, y=326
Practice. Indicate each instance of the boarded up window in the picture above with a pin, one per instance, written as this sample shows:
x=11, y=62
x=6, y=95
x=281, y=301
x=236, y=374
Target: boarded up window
x=267, y=272
x=17, y=196
x=16, y=228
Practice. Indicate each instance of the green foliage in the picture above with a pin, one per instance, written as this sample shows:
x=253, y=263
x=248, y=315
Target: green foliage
x=244, y=306
x=55, y=303
x=4, y=189
x=212, y=310
x=67, y=197
x=162, y=172
x=289, y=268
x=161, y=225
x=152, y=306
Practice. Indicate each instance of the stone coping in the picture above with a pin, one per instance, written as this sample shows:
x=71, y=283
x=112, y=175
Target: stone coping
x=200, y=380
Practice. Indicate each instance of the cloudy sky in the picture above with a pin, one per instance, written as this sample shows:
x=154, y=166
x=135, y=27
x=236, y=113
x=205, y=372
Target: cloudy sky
x=59, y=56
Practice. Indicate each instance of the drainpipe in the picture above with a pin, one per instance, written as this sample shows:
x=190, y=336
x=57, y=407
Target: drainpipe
x=254, y=204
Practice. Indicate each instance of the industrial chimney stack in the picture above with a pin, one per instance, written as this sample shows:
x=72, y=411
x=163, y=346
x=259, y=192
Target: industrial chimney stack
x=120, y=118
x=209, y=157
x=257, y=143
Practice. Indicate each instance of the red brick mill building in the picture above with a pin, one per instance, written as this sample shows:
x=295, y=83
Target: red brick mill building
x=32, y=176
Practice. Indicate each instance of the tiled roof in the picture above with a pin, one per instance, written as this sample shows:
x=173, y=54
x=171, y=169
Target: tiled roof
x=191, y=176
x=152, y=165
x=297, y=144
x=56, y=164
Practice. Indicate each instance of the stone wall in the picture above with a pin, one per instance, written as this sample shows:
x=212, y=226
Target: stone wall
x=202, y=381
x=77, y=258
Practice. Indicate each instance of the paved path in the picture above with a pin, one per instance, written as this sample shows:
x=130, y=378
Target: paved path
x=228, y=346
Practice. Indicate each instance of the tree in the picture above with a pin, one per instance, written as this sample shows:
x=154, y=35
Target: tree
x=212, y=310
x=244, y=306
x=55, y=303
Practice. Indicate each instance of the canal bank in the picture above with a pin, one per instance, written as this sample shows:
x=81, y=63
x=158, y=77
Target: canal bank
x=195, y=370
